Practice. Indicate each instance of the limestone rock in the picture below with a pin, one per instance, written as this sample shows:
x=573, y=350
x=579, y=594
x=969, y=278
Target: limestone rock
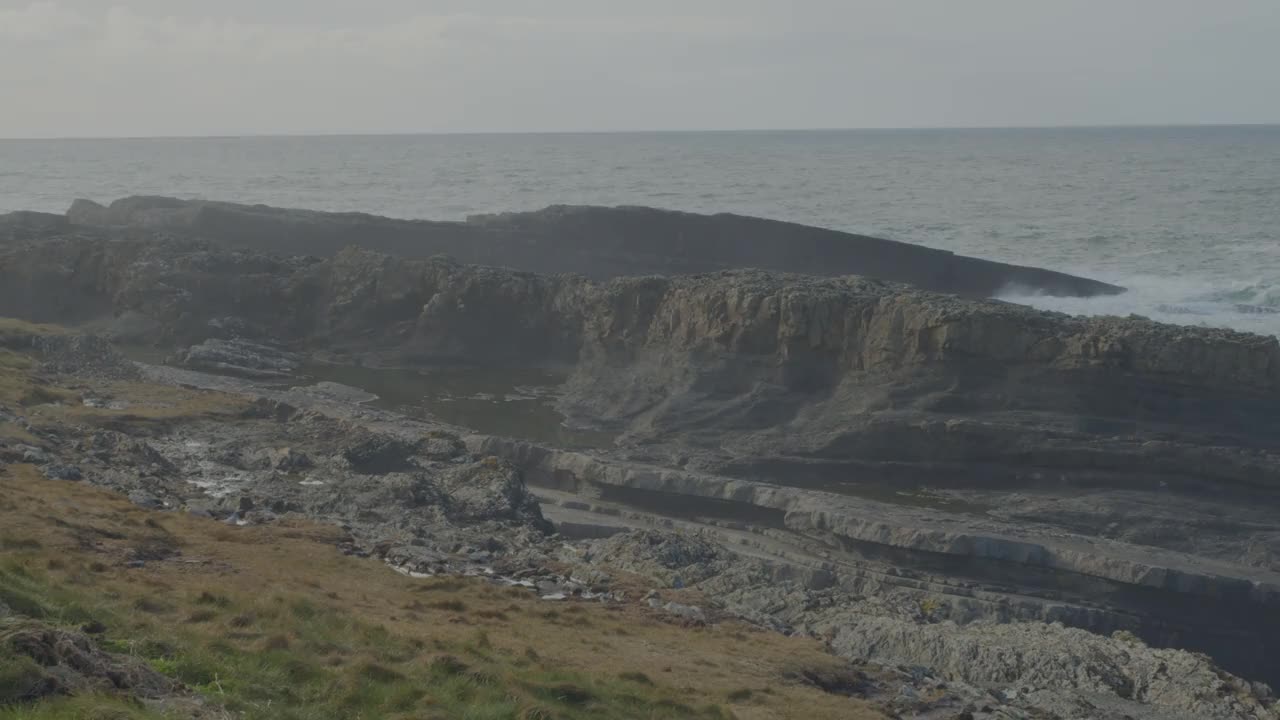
x=63, y=472
x=377, y=454
x=286, y=459
x=1049, y=660
x=488, y=490
x=241, y=357
x=664, y=556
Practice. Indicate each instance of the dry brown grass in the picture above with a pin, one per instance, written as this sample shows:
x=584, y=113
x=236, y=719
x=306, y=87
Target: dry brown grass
x=13, y=329
x=254, y=591
x=147, y=404
x=48, y=401
x=20, y=386
x=227, y=583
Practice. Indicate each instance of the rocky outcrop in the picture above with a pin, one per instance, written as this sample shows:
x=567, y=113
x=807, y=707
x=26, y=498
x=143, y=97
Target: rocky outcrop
x=862, y=438
x=1025, y=667
x=806, y=561
x=489, y=490
x=86, y=355
x=969, y=566
x=44, y=660
x=26, y=225
x=762, y=375
x=1064, y=669
x=672, y=559
x=745, y=373
x=597, y=242
x=241, y=357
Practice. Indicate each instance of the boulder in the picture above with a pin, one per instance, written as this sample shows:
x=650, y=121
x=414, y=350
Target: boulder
x=240, y=357
x=1051, y=666
x=489, y=490
x=63, y=472
x=375, y=454
x=663, y=556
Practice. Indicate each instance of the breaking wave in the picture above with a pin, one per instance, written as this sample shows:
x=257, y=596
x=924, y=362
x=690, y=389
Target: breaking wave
x=1246, y=306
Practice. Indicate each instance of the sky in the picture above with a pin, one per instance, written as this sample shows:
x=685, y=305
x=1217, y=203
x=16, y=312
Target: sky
x=109, y=68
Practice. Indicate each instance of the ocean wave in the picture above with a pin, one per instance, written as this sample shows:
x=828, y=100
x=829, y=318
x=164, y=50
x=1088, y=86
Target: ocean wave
x=1248, y=306
x=1261, y=294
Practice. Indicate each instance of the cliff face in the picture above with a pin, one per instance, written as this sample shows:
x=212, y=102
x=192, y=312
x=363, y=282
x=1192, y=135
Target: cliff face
x=173, y=291
x=863, y=325
x=594, y=241
x=783, y=322
x=785, y=368
x=840, y=367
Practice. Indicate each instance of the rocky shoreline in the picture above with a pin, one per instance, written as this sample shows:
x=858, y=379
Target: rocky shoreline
x=997, y=496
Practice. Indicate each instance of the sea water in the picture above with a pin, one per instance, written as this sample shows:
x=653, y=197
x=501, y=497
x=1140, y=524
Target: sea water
x=1188, y=218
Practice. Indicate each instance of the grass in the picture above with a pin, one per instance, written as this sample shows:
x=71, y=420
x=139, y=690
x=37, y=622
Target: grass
x=92, y=707
x=273, y=622
x=49, y=402
x=18, y=386
x=13, y=330
x=151, y=408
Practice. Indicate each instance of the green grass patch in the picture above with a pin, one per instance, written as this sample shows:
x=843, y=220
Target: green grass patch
x=317, y=663
x=13, y=330
x=93, y=707
x=27, y=591
x=10, y=360
x=20, y=679
x=278, y=625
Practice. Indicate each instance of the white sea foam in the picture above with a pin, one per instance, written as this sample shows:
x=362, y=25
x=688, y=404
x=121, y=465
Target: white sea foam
x=1249, y=306
x=1182, y=216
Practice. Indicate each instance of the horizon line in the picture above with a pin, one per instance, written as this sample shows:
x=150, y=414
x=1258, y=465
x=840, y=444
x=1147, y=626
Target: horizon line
x=687, y=131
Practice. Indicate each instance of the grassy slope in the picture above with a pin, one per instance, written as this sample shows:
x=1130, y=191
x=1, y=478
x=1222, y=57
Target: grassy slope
x=272, y=622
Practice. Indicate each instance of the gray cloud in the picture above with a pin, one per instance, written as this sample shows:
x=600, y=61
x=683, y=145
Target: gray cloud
x=165, y=67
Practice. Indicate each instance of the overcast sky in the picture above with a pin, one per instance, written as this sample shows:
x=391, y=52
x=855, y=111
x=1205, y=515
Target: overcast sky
x=181, y=67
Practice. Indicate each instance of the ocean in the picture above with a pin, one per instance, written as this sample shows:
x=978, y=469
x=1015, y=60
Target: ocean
x=1188, y=218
